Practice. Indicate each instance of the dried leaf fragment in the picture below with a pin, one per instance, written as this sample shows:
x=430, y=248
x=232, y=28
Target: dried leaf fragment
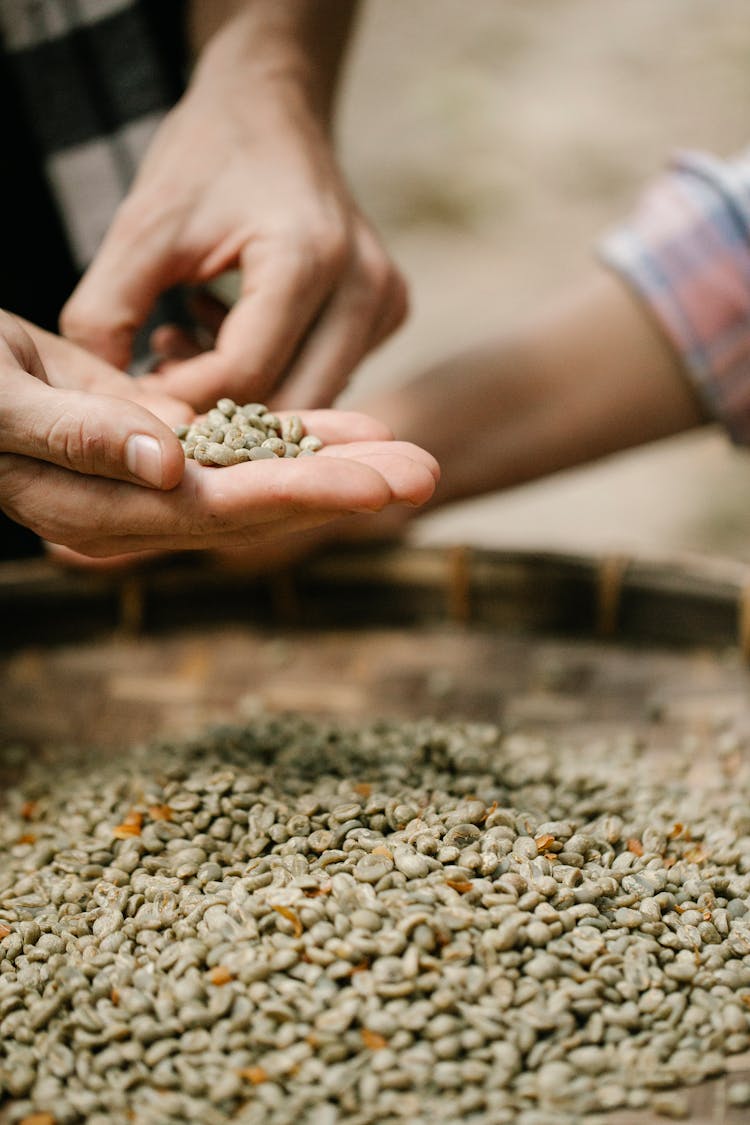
x=543, y=842
x=373, y=1039
x=160, y=812
x=27, y=838
x=253, y=1074
x=4, y=930
x=363, y=789
x=488, y=811
x=125, y=831
x=29, y=809
x=381, y=849
x=131, y=826
x=220, y=974
x=290, y=916
x=635, y=846
x=696, y=854
x=463, y=886
x=115, y=996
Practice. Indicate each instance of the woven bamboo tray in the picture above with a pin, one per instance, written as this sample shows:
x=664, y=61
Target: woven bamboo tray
x=545, y=642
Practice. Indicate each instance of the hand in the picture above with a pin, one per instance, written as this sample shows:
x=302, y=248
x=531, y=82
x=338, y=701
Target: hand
x=59, y=432
x=247, y=180
x=360, y=469
x=69, y=367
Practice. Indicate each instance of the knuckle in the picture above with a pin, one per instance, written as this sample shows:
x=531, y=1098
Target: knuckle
x=142, y=213
x=399, y=300
x=379, y=282
x=76, y=309
x=377, y=272
x=74, y=320
x=86, y=320
x=83, y=319
x=324, y=250
x=76, y=445
x=332, y=247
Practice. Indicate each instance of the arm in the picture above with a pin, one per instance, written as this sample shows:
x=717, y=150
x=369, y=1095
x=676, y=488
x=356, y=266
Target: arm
x=242, y=175
x=294, y=41
x=655, y=343
x=589, y=375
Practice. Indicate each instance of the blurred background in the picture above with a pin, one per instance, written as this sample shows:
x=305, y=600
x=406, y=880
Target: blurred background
x=493, y=143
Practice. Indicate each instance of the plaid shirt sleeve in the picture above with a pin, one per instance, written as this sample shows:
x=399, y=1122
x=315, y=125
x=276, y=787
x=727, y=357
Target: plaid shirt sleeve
x=686, y=253
x=92, y=81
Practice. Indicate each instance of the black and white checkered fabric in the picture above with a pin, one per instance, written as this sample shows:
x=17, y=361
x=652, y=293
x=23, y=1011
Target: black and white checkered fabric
x=83, y=85
x=93, y=78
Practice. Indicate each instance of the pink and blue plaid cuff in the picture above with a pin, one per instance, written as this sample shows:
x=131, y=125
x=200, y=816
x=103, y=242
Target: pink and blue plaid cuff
x=686, y=253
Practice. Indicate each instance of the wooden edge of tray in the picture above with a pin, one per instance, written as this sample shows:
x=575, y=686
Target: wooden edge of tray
x=667, y=601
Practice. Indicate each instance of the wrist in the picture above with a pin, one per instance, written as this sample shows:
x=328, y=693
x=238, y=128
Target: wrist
x=270, y=50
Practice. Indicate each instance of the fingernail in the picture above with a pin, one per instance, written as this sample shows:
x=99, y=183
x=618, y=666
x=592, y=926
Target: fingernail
x=143, y=459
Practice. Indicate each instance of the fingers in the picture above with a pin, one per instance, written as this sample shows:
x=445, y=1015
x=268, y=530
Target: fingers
x=411, y=472
x=208, y=311
x=298, y=329
x=369, y=304
x=69, y=559
x=213, y=507
x=257, y=339
x=209, y=507
x=69, y=367
x=18, y=352
x=135, y=263
x=341, y=427
x=98, y=435
x=175, y=342
x=172, y=344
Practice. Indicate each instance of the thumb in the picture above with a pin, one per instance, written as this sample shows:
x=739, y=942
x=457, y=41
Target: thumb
x=98, y=435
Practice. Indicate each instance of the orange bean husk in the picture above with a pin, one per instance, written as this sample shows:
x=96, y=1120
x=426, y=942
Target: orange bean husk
x=220, y=974
x=373, y=1039
x=290, y=916
x=254, y=1074
x=463, y=886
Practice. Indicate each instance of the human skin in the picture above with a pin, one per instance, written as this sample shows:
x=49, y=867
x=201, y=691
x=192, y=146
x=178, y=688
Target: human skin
x=242, y=175
x=74, y=469
x=588, y=375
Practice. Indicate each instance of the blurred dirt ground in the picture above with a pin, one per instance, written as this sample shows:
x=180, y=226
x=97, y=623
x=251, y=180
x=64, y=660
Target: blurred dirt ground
x=493, y=142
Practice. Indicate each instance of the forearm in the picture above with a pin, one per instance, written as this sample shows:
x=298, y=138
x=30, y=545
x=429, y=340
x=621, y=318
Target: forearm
x=299, y=44
x=589, y=376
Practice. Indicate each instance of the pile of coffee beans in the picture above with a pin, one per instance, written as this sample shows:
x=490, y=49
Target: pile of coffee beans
x=230, y=434
x=293, y=921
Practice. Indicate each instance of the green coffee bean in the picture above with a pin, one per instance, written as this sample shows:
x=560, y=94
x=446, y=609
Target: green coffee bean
x=231, y=435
